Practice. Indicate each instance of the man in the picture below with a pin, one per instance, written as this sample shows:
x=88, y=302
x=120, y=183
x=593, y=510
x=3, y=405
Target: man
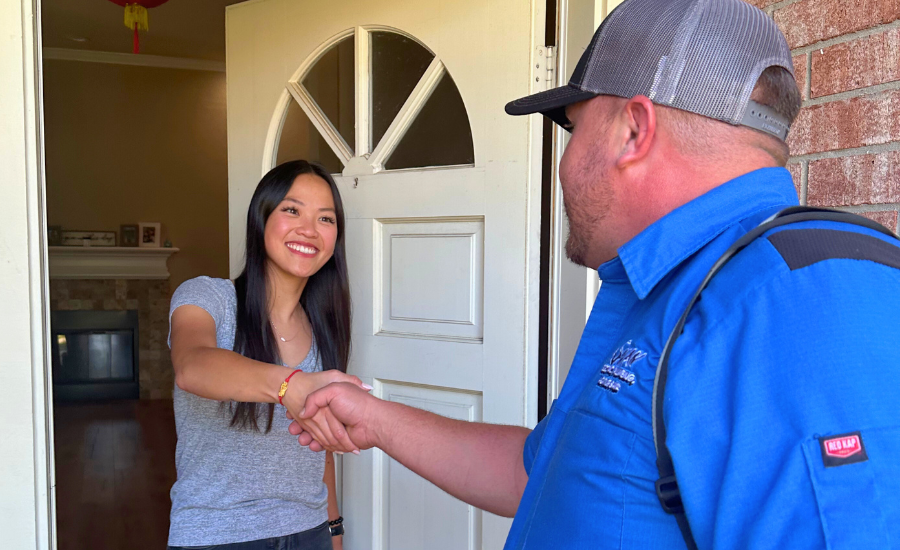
x=781, y=401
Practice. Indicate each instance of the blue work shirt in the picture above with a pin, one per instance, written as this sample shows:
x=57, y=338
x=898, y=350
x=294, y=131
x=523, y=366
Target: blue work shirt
x=773, y=363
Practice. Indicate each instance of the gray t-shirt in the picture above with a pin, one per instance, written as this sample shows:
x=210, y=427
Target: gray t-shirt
x=238, y=485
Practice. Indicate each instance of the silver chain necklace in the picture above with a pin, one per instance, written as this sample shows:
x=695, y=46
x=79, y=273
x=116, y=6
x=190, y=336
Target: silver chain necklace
x=282, y=338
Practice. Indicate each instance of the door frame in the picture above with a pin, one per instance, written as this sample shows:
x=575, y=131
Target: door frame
x=572, y=288
x=27, y=514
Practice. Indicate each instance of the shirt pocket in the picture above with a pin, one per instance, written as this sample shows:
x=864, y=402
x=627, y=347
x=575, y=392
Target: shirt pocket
x=857, y=502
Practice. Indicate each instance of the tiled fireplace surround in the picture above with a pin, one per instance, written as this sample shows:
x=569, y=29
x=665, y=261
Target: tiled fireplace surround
x=150, y=297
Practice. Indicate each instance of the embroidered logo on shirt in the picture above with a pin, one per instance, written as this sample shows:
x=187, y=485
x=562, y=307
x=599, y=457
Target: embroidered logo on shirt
x=838, y=450
x=617, y=371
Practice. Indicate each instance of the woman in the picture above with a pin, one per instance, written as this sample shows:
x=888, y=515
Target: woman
x=247, y=352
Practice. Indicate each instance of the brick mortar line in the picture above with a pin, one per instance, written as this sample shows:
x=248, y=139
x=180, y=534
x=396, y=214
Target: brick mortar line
x=856, y=151
x=850, y=94
x=804, y=181
x=770, y=9
x=808, y=83
x=881, y=207
x=849, y=37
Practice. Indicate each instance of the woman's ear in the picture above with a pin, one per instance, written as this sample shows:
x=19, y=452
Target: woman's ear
x=640, y=117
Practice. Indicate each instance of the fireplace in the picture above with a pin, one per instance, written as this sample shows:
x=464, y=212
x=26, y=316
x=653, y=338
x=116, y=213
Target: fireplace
x=115, y=280
x=95, y=355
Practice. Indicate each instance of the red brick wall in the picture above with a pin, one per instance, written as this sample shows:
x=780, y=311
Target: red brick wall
x=845, y=145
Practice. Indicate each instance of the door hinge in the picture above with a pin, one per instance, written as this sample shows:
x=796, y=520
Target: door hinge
x=545, y=68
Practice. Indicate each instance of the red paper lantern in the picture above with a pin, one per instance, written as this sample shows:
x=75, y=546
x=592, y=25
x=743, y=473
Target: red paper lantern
x=136, y=15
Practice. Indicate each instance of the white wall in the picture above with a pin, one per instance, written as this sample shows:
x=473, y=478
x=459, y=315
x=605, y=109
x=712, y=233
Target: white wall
x=24, y=465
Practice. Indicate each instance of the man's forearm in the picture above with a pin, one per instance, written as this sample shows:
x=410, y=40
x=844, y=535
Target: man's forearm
x=480, y=464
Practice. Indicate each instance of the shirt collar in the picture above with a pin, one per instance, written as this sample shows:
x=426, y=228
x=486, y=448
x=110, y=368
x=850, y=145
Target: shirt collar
x=662, y=246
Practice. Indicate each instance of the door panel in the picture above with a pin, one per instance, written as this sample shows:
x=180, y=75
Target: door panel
x=443, y=259
x=424, y=516
x=432, y=279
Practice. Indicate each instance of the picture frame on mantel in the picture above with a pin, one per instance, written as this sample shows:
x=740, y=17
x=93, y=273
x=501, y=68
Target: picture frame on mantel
x=128, y=235
x=149, y=234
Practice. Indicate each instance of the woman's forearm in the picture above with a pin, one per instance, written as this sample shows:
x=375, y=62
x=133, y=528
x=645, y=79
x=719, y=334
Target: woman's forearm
x=224, y=375
x=329, y=479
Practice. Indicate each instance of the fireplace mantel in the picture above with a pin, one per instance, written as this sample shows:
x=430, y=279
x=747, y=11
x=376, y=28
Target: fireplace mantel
x=112, y=262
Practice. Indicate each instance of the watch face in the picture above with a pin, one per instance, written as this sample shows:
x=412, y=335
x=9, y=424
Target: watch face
x=337, y=530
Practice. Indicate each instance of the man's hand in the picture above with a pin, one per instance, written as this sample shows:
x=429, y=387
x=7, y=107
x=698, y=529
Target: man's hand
x=331, y=412
x=480, y=464
x=328, y=431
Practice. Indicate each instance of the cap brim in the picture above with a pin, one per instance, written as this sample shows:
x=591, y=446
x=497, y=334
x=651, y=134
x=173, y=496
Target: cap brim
x=551, y=103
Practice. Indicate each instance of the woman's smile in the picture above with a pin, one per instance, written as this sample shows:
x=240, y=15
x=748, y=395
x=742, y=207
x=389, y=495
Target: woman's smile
x=305, y=250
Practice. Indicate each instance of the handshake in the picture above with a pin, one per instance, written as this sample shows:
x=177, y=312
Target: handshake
x=337, y=414
x=480, y=464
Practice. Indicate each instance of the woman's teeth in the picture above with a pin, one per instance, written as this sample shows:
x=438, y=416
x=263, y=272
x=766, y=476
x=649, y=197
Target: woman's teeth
x=302, y=249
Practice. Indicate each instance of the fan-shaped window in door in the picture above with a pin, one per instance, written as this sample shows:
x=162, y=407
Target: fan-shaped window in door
x=372, y=100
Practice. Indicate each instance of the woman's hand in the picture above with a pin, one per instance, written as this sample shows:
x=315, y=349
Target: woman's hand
x=324, y=427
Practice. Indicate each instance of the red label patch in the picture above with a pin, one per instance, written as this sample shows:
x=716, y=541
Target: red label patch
x=838, y=450
x=842, y=447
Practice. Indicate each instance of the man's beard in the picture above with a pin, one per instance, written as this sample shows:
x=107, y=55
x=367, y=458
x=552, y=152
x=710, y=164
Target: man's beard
x=585, y=212
x=576, y=242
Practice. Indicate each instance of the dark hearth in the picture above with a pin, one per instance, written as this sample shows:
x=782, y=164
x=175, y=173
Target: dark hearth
x=95, y=355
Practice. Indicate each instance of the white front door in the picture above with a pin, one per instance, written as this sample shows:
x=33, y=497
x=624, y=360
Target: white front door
x=403, y=100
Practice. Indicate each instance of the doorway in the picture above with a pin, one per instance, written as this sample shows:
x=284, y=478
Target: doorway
x=136, y=203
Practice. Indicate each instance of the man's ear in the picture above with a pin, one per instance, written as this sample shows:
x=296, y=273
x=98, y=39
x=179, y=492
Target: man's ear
x=640, y=116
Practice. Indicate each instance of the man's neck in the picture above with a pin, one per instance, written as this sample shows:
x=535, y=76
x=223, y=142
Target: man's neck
x=679, y=180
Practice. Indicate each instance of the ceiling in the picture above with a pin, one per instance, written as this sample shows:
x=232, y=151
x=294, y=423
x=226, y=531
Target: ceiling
x=179, y=28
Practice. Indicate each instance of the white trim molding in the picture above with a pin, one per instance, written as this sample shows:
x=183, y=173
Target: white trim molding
x=27, y=484
x=113, y=262
x=141, y=60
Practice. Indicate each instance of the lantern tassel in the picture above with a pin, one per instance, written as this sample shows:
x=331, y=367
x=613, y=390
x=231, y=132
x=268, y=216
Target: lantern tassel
x=136, y=19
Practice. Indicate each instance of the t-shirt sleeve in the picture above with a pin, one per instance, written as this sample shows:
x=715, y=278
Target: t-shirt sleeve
x=781, y=411
x=202, y=292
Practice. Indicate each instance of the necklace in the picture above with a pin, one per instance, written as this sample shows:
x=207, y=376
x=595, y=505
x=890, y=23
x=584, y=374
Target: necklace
x=282, y=338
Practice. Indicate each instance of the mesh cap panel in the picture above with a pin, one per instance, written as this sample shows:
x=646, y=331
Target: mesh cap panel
x=702, y=56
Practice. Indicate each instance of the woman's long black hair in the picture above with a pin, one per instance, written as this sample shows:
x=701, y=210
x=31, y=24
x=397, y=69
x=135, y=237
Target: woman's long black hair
x=325, y=299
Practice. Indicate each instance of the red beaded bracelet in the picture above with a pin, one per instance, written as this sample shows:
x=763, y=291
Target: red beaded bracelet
x=284, y=386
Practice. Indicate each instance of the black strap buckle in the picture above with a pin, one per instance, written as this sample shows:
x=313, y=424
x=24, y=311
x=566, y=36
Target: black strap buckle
x=669, y=495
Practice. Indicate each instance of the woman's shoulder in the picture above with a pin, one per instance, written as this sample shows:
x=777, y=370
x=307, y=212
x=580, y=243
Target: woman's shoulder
x=206, y=285
x=216, y=296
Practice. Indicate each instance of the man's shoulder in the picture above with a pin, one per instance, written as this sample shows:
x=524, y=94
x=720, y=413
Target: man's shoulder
x=805, y=264
x=811, y=243
x=814, y=251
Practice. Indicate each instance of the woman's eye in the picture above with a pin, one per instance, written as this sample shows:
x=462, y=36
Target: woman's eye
x=289, y=210
x=327, y=219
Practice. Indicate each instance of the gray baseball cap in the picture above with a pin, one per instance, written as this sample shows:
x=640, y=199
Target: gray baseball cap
x=702, y=56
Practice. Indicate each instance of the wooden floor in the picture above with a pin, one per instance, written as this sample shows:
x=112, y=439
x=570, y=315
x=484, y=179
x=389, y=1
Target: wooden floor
x=115, y=464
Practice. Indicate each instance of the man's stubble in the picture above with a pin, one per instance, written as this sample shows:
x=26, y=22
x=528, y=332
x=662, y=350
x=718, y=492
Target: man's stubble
x=587, y=201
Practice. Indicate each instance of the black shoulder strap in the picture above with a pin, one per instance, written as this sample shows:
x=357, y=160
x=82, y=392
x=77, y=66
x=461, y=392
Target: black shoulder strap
x=667, y=485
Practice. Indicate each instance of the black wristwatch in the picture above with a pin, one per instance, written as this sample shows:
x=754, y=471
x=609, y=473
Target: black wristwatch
x=336, y=527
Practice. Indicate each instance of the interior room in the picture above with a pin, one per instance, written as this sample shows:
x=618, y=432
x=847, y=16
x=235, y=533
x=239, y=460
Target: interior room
x=136, y=204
